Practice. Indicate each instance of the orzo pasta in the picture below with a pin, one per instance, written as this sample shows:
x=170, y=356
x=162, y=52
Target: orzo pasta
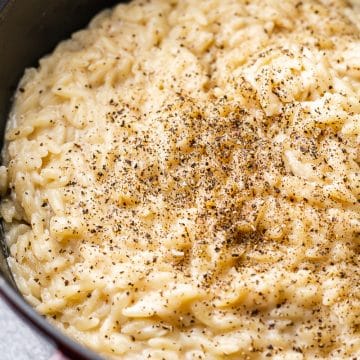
x=181, y=181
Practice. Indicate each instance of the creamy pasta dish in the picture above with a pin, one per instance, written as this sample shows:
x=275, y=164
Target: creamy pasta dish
x=181, y=180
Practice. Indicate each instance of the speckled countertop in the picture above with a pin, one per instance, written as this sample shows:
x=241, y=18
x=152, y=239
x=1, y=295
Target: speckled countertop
x=18, y=341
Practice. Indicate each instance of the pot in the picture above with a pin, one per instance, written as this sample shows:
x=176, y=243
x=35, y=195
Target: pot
x=30, y=29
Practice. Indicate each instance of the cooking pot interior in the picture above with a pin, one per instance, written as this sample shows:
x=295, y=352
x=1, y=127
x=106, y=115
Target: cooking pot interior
x=29, y=29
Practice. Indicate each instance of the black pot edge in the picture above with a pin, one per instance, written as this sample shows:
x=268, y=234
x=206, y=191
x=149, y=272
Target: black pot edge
x=68, y=347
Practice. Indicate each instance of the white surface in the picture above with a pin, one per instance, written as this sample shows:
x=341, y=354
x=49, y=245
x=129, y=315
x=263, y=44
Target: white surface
x=18, y=341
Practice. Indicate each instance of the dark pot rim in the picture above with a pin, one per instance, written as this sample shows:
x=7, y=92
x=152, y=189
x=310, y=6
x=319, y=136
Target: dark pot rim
x=67, y=346
x=8, y=290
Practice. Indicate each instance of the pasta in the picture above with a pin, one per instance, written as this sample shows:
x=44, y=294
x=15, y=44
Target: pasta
x=181, y=181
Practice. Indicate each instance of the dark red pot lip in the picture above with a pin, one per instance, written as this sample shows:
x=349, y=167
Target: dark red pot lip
x=68, y=347
x=8, y=290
